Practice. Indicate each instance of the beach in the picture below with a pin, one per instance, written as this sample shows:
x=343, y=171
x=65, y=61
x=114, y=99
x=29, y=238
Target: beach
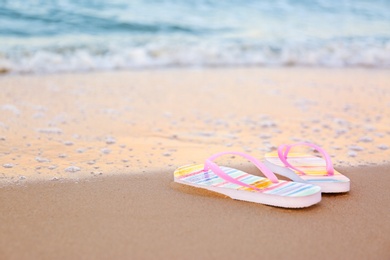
x=87, y=161
x=149, y=217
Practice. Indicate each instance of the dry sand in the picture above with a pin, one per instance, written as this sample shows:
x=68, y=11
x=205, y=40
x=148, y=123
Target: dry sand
x=150, y=217
x=86, y=163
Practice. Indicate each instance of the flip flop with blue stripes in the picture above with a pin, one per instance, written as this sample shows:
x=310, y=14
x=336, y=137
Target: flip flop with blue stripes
x=306, y=168
x=243, y=186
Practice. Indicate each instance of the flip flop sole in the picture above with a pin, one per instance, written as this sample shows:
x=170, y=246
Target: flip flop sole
x=283, y=194
x=284, y=202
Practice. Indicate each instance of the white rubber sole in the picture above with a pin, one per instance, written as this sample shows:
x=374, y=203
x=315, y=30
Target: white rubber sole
x=267, y=199
x=326, y=187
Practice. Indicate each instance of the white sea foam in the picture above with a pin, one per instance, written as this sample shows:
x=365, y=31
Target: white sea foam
x=200, y=54
x=72, y=169
x=45, y=36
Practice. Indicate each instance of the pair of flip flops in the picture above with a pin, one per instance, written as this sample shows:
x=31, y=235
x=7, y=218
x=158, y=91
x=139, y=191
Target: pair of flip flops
x=310, y=176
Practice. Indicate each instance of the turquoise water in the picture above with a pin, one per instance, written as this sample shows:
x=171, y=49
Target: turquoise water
x=69, y=35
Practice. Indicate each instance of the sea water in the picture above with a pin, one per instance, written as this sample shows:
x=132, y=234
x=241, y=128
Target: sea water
x=78, y=35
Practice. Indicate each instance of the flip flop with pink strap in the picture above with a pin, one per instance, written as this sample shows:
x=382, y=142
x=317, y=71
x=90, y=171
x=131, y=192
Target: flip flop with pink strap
x=306, y=168
x=240, y=185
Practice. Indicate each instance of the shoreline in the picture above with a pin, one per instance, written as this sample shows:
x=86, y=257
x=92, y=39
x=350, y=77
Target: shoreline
x=193, y=68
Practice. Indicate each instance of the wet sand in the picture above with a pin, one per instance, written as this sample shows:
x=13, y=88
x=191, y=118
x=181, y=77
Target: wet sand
x=86, y=163
x=149, y=217
x=71, y=126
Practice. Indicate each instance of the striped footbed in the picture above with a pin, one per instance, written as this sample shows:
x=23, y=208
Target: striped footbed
x=194, y=174
x=313, y=167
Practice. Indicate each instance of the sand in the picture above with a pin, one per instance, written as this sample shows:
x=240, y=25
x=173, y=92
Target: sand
x=150, y=217
x=86, y=162
x=71, y=126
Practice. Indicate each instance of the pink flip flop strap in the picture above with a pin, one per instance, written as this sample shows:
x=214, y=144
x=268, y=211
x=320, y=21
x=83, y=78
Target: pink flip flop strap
x=284, y=149
x=210, y=165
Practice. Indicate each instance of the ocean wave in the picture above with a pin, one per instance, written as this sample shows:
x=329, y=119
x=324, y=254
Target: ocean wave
x=68, y=35
x=205, y=54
